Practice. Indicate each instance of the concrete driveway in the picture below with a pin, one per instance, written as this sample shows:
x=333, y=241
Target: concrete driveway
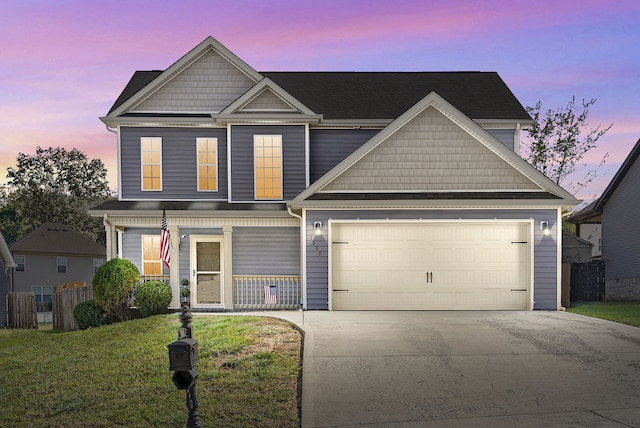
x=468, y=369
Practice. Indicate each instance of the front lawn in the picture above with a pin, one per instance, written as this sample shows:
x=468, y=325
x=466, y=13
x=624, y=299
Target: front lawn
x=622, y=312
x=118, y=375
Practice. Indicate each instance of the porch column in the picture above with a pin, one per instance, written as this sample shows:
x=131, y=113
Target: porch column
x=174, y=271
x=228, y=267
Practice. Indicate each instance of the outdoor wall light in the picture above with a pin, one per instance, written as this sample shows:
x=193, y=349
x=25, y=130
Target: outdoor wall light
x=544, y=226
x=317, y=225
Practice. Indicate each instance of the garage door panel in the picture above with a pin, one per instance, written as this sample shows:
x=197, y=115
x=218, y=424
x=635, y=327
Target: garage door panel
x=431, y=266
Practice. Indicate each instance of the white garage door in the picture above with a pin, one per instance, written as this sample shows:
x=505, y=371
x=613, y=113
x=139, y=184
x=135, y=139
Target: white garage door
x=435, y=266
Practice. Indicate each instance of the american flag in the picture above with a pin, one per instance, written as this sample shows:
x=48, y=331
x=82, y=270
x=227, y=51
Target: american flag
x=270, y=295
x=165, y=242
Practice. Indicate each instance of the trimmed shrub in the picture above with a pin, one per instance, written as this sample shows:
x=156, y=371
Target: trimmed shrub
x=153, y=297
x=87, y=314
x=112, y=286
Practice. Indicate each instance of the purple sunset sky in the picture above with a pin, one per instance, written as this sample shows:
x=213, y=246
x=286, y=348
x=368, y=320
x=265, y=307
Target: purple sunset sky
x=63, y=63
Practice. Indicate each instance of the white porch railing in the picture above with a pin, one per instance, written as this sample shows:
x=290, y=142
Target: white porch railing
x=163, y=278
x=266, y=292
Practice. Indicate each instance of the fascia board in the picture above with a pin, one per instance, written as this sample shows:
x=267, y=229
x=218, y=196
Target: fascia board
x=190, y=213
x=206, y=45
x=266, y=118
x=114, y=122
x=435, y=204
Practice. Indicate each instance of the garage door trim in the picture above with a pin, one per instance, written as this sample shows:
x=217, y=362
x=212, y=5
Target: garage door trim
x=525, y=222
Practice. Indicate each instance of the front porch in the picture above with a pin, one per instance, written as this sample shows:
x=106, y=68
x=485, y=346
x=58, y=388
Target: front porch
x=257, y=291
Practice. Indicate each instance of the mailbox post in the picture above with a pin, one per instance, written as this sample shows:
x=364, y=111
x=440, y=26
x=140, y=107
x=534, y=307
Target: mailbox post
x=183, y=356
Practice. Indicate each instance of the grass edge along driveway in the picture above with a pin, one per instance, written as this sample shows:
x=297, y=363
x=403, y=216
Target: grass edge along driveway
x=118, y=375
x=622, y=312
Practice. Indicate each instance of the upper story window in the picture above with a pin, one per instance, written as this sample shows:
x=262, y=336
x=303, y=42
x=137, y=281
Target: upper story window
x=268, y=166
x=61, y=263
x=20, y=263
x=207, y=163
x=151, y=263
x=151, y=157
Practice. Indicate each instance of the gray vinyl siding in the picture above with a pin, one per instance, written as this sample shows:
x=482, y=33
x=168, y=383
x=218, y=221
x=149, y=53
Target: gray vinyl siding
x=3, y=295
x=505, y=136
x=293, y=160
x=621, y=228
x=42, y=270
x=545, y=247
x=132, y=246
x=179, y=172
x=266, y=251
x=328, y=147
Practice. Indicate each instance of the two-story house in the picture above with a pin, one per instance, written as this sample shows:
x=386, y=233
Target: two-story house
x=333, y=190
x=52, y=255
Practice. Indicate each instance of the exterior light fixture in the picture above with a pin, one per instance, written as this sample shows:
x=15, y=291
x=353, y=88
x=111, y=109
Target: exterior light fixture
x=544, y=226
x=317, y=225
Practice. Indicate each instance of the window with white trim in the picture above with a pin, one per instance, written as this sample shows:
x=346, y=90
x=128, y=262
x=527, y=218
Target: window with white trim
x=207, y=154
x=61, y=263
x=43, y=296
x=268, y=166
x=151, y=162
x=151, y=263
x=20, y=263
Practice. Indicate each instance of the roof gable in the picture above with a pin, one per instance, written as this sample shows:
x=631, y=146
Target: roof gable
x=433, y=147
x=627, y=165
x=206, y=79
x=266, y=101
x=60, y=239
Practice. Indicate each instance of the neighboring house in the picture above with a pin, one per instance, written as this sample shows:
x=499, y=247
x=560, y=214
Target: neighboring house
x=589, y=227
x=617, y=211
x=6, y=263
x=575, y=249
x=51, y=255
x=361, y=190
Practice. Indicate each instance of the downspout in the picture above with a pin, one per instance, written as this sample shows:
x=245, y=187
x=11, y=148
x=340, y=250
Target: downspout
x=303, y=259
x=111, y=129
x=516, y=139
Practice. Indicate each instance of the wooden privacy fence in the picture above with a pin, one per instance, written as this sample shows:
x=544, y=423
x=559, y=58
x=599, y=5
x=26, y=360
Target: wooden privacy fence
x=64, y=302
x=21, y=310
x=266, y=291
x=587, y=281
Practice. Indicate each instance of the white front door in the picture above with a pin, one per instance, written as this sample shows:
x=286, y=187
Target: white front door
x=206, y=271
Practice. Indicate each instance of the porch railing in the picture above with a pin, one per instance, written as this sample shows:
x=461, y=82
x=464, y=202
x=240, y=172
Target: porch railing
x=266, y=292
x=163, y=278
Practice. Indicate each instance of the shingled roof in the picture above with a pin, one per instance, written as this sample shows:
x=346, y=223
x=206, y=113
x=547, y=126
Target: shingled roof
x=58, y=238
x=382, y=95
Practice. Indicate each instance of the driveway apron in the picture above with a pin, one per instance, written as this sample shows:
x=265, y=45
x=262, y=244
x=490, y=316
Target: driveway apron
x=468, y=369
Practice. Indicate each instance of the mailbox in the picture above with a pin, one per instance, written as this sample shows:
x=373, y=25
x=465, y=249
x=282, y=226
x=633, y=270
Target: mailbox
x=183, y=354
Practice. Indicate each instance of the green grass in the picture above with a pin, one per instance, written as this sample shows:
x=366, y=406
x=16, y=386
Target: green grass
x=118, y=375
x=622, y=312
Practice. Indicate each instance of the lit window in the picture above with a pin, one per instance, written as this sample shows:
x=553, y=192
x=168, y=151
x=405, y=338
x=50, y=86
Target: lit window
x=61, y=263
x=151, y=264
x=151, y=153
x=207, y=163
x=20, y=263
x=268, y=166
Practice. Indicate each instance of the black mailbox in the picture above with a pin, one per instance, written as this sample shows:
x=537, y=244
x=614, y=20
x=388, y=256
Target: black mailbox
x=183, y=354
